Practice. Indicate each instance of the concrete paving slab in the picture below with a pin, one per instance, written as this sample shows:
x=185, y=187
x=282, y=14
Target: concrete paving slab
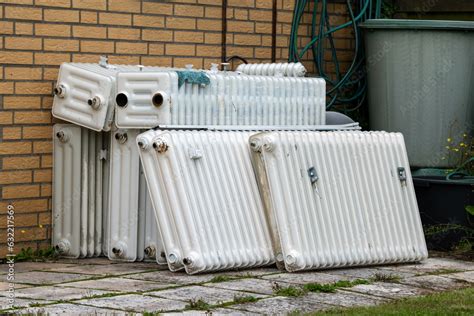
x=135, y=303
x=19, y=302
x=34, y=266
x=209, y=295
x=177, y=278
x=96, y=260
x=466, y=276
x=433, y=265
x=213, y=312
x=68, y=309
x=345, y=299
x=47, y=278
x=257, y=272
x=389, y=290
x=56, y=293
x=306, y=277
x=259, y=286
x=103, y=269
x=117, y=284
x=6, y=285
x=369, y=272
x=282, y=306
x=436, y=282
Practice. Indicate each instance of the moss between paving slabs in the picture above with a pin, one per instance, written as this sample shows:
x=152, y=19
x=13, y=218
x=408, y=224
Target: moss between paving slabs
x=294, y=291
x=460, y=302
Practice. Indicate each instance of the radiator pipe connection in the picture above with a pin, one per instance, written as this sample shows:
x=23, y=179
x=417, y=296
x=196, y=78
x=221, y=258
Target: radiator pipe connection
x=63, y=246
x=95, y=102
x=62, y=136
x=119, y=249
x=160, y=146
x=121, y=99
x=150, y=251
x=121, y=137
x=60, y=91
x=158, y=99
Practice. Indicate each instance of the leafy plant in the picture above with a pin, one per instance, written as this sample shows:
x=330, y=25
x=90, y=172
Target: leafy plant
x=221, y=278
x=470, y=209
x=460, y=151
x=332, y=287
x=317, y=287
x=198, y=304
x=291, y=291
x=244, y=299
x=29, y=254
x=389, y=278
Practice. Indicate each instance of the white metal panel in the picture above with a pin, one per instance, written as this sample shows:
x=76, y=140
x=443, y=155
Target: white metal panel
x=273, y=69
x=151, y=247
x=229, y=99
x=66, y=189
x=141, y=215
x=105, y=155
x=84, y=94
x=138, y=88
x=123, y=196
x=77, y=188
x=339, y=198
x=206, y=199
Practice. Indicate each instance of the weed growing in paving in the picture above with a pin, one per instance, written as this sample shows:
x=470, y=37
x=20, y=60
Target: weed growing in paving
x=444, y=271
x=244, y=299
x=221, y=278
x=29, y=254
x=198, y=304
x=332, y=287
x=316, y=287
x=291, y=291
x=389, y=278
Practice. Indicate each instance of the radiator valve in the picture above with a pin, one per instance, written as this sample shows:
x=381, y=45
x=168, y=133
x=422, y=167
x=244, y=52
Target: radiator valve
x=150, y=251
x=121, y=137
x=160, y=146
x=60, y=91
x=62, y=136
x=95, y=102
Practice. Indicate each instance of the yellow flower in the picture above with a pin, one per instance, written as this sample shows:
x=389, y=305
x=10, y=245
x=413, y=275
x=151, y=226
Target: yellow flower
x=462, y=144
x=447, y=147
x=449, y=140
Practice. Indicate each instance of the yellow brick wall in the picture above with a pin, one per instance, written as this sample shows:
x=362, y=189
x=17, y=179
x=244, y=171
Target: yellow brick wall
x=36, y=36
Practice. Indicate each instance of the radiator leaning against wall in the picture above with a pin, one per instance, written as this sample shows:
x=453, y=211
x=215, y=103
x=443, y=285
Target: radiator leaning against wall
x=78, y=190
x=206, y=199
x=132, y=231
x=338, y=199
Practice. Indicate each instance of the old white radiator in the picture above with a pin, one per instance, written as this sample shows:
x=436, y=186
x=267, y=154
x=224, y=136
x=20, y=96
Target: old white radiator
x=78, y=187
x=85, y=94
x=150, y=245
x=273, y=69
x=206, y=199
x=132, y=232
x=150, y=98
x=338, y=198
x=123, y=196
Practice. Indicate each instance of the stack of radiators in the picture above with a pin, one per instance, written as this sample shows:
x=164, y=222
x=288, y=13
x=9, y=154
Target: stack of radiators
x=214, y=170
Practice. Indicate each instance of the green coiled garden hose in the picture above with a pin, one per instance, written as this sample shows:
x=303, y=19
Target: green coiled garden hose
x=348, y=89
